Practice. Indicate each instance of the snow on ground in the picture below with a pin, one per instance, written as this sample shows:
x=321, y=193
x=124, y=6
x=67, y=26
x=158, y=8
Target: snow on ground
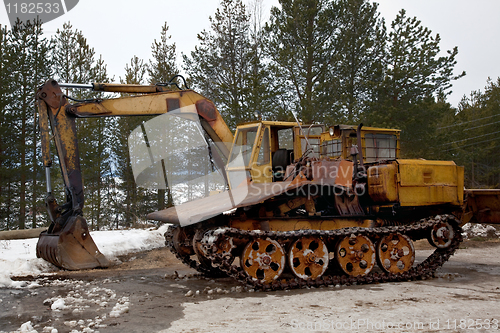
x=18, y=257
x=81, y=304
x=479, y=230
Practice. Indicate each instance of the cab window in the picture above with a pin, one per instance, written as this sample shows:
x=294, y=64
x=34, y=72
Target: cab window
x=244, y=143
x=380, y=147
x=264, y=151
x=285, y=138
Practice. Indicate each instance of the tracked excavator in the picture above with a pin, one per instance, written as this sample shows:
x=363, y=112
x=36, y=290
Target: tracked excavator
x=278, y=205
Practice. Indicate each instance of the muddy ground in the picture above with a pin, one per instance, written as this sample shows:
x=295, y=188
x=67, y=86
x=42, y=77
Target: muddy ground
x=147, y=293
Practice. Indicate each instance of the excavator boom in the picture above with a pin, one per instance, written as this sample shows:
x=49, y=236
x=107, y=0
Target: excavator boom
x=67, y=243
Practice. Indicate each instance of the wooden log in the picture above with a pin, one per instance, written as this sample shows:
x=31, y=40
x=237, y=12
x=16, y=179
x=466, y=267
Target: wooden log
x=21, y=234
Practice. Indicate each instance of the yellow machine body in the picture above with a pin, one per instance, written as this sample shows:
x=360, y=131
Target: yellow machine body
x=416, y=183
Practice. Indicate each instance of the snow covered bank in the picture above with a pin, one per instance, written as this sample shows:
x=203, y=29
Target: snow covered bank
x=18, y=257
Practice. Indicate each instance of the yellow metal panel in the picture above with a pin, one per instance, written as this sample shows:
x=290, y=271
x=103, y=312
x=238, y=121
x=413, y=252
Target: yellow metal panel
x=425, y=182
x=382, y=183
x=152, y=104
x=281, y=124
x=428, y=195
x=460, y=184
x=422, y=172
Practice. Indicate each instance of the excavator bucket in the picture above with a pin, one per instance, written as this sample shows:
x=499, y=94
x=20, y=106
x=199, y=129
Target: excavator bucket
x=72, y=247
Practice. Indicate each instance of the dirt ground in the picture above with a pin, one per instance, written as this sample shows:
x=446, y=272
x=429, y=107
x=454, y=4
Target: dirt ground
x=147, y=293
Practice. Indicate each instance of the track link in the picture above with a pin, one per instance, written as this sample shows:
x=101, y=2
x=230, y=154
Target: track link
x=416, y=231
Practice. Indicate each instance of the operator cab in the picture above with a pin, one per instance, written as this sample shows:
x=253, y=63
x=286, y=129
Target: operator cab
x=262, y=150
x=378, y=144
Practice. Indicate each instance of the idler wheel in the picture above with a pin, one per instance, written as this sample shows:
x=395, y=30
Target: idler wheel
x=263, y=260
x=442, y=235
x=308, y=258
x=182, y=241
x=395, y=253
x=355, y=255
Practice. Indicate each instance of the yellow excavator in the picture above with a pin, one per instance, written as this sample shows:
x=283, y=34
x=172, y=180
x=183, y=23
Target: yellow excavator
x=296, y=205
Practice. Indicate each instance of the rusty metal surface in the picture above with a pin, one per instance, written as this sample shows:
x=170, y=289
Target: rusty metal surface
x=51, y=93
x=43, y=121
x=126, y=88
x=395, y=253
x=355, y=255
x=308, y=258
x=482, y=206
x=65, y=138
x=333, y=172
x=263, y=259
x=348, y=205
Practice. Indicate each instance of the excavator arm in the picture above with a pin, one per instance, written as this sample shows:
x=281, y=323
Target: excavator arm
x=67, y=243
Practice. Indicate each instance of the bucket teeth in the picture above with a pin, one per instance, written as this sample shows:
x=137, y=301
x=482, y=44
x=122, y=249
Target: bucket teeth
x=72, y=247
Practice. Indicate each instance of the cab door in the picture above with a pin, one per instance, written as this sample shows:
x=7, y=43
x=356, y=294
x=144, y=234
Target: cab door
x=242, y=154
x=261, y=170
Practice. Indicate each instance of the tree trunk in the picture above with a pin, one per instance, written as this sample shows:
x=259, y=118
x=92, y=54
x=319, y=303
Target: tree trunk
x=22, y=188
x=34, y=192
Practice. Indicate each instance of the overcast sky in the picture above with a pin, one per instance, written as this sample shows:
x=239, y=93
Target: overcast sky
x=121, y=29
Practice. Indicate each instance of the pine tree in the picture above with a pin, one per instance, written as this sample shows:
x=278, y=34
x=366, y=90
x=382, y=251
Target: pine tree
x=6, y=116
x=29, y=64
x=472, y=137
x=416, y=77
x=162, y=68
x=134, y=73
x=163, y=65
x=302, y=48
x=219, y=67
x=260, y=94
x=361, y=49
x=137, y=202
x=97, y=158
x=74, y=60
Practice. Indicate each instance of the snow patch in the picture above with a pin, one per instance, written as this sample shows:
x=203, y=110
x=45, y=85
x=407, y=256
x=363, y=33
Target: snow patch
x=471, y=230
x=18, y=257
x=120, y=308
x=59, y=305
x=27, y=328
